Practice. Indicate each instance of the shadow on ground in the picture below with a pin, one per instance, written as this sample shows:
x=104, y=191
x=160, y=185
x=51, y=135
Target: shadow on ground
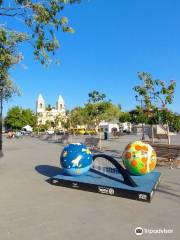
x=47, y=170
x=168, y=191
x=113, y=153
x=51, y=171
x=106, y=175
x=1, y=154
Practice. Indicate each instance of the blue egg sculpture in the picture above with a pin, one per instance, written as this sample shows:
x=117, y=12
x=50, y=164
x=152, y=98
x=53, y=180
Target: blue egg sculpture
x=76, y=159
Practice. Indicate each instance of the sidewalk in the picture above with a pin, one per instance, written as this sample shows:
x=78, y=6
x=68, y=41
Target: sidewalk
x=32, y=209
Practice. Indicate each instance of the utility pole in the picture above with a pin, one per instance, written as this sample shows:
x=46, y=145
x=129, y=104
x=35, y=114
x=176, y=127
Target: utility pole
x=141, y=101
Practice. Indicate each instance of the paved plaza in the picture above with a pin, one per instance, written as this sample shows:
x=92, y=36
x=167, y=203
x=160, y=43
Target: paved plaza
x=32, y=209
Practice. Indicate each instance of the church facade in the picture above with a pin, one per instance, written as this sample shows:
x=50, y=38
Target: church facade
x=49, y=115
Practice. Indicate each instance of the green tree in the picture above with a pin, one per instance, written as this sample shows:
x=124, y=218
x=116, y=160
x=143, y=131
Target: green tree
x=125, y=117
x=74, y=118
x=49, y=107
x=60, y=121
x=139, y=116
x=66, y=123
x=96, y=96
x=42, y=20
x=17, y=118
x=92, y=113
x=41, y=128
x=28, y=117
x=155, y=93
x=13, y=120
x=48, y=124
x=176, y=123
x=9, y=56
x=99, y=111
x=156, y=96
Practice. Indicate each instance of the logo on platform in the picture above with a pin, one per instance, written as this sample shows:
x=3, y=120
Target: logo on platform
x=139, y=231
x=103, y=190
x=142, y=196
x=75, y=185
x=111, y=191
x=106, y=190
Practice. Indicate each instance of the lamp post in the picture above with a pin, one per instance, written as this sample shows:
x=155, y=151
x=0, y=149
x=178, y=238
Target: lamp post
x=141, y=102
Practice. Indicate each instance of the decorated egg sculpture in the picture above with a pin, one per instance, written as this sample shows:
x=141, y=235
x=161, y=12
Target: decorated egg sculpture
x=76, y=159
x=139, y=158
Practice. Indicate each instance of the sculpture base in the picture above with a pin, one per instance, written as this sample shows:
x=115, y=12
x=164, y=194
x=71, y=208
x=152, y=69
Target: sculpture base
x=111, y=184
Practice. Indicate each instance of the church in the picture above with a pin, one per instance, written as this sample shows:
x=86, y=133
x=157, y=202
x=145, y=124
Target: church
x=50, y=114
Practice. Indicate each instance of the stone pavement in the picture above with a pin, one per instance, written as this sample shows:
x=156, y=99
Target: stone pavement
x=32, y=209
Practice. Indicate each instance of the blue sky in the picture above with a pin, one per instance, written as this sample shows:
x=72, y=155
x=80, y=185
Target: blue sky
x=113, y=41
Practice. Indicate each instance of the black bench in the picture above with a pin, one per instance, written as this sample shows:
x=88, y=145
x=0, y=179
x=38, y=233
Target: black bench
x=45, y=137
x=167, y=153
x=64, y=139
x=92, y=143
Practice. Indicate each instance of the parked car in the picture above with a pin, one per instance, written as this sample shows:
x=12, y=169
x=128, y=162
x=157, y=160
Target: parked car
x=50, y=132
x=77, y=131
x=26, y=133
x=60, y=132
x=18, y=135
x=90, y=132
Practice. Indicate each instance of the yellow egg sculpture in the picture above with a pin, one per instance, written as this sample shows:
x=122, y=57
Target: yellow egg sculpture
x=139, y=158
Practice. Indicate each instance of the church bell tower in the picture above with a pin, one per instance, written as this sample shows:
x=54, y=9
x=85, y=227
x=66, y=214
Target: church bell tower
x=60, y=105
x=40, y=104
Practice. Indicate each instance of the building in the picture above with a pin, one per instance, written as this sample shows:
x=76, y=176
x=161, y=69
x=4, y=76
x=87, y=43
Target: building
x=109, y=126
x=115, y=126
x=125, y=127
x=49, y=115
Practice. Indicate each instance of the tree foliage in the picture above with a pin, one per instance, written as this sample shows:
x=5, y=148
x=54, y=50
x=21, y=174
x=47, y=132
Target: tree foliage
x=17, y=118
x=101, y=111
x=125, y=117
x=155, y=93
x=42, y=20
x=49, y=107
x=176, y=123
x=96, y=96
x=9, y=56
x=156, y=96
x=92, y=113
x=165, y=116
x=77, y=117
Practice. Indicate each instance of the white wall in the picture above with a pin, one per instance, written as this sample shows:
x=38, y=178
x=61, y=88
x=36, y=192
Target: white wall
x=108, y=126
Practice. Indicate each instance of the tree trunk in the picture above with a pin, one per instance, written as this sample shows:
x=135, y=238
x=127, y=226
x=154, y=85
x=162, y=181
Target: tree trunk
x=100, y=140
x=169, y=140
x=152, y=129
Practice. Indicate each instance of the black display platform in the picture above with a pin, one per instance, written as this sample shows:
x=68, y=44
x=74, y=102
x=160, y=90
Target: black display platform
x=113, y=184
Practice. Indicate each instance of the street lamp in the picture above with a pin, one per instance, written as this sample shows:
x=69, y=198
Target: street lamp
x=141, y=101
